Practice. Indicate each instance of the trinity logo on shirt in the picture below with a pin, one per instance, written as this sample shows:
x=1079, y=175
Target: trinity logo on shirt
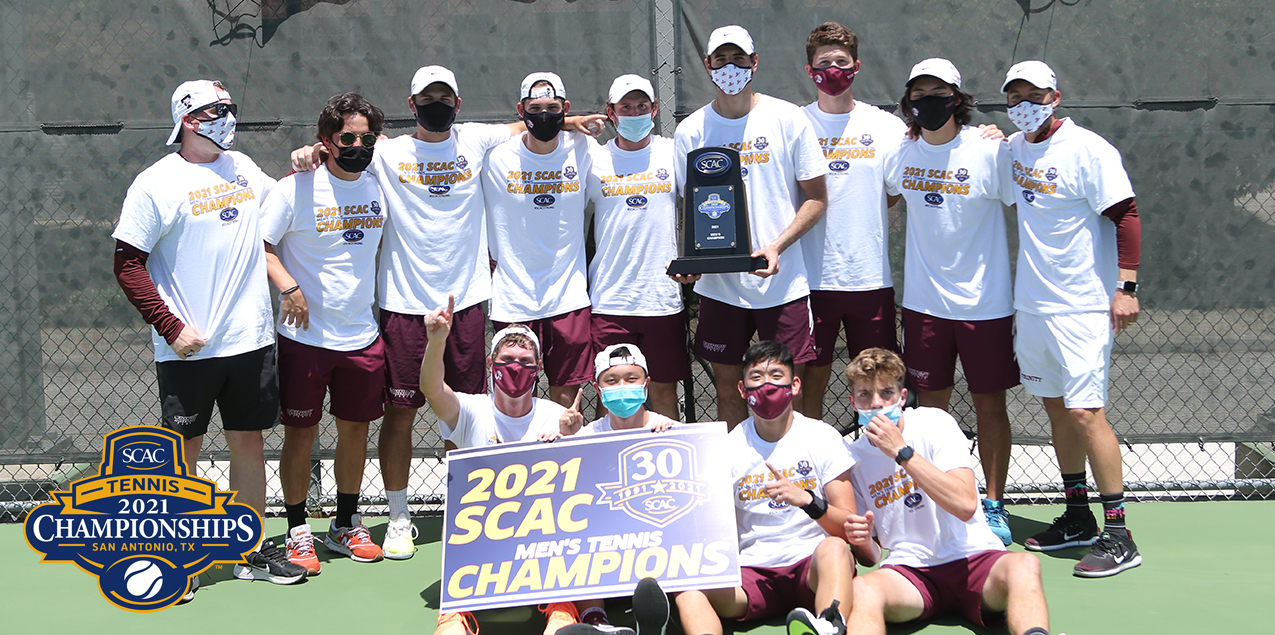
x=661, y=174
x=1052, y=174
x=760, y=143
x=544, y=200
x=962, y=175
x=461, y=161
x=866, y=139
x=569, y=172
x=229, y=214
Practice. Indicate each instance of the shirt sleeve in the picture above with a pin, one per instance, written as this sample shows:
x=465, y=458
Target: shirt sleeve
x=892, y=168
x=464, y=430
x=808, y=161
x=835, y=458
x=1106, y=182
x=1005, y=174
x=680, y=150
x=947, y=445
x=277, y=210
x=141, y=224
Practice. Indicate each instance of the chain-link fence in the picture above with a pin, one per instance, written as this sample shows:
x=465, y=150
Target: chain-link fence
x=1183, y=89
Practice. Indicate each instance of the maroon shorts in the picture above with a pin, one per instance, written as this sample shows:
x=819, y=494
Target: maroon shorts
x=956, y=587
x=986, y=348
x=464, y=358
x=868, y=318
x=725, y=331
x=566, y=343
x=662, y=340
x=307, y=373
x=776, y=591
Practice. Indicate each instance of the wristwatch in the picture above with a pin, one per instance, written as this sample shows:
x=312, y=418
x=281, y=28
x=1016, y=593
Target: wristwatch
x=904, y=454
x=1128, y=286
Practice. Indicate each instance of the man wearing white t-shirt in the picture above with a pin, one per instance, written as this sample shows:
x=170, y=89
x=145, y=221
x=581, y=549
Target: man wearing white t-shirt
x=623, y=386
x=782, y=163
x=847, y=252
x=511, y=413
x=792, y=494
x=322, y=230
x=957, y=298
x=188, y=256
x=535, y=196
x=1079, y=245
x=912, y=476
x=635, y=229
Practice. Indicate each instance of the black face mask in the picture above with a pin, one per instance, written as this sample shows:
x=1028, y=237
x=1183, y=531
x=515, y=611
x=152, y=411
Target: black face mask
x=354, y=158
x=435, y=116
x=933, y=111
x=544, y=125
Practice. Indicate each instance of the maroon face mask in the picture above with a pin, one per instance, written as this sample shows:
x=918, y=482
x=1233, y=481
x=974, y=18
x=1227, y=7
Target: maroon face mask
x=833, y=80
x=513, y=378
x=768, y=400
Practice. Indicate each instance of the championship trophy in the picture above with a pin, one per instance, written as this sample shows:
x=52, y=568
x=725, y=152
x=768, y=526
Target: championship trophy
x=716, y=237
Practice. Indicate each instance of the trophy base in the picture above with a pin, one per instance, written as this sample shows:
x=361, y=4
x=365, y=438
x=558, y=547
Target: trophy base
x=733, y=263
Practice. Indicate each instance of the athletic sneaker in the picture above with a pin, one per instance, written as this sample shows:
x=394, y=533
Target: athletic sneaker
x=190, y=593
x=650, y=607
x=400, y=537
x=1109, y=556
x=456, y=624
x=268, y=563
x=300, y=548
x=353, y=541
x=558, y=615
x=829, y=622
x=1068, y=530
x=600, y=628
x=998, y=519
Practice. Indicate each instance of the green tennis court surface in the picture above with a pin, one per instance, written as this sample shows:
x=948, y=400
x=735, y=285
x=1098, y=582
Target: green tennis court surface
x=1207, y=567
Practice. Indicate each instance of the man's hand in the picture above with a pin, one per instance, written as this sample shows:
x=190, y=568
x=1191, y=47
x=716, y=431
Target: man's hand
x=188, y=342
x=885, y=435
x=1124, y=311
x=307, y=158
x=438, y=323
x=990, y=131
x=663, y=426
x=591, y=125
x=859, y=529
x=294, y=311
x=771, y=254
x=683, y=278
x=571, y=420
x=548, y=437
x=782, y=490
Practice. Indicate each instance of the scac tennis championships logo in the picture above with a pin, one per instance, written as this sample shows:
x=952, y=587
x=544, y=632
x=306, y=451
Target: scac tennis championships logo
x=142, y=526
x=658, y=483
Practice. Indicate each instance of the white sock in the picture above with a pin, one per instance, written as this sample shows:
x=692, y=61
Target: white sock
x=398, y=502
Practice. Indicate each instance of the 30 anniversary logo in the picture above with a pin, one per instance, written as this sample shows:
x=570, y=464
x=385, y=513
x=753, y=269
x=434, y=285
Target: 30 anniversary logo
x=142, y=526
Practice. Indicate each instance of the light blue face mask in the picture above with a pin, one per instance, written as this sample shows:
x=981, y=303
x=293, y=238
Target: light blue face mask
x=624, y=401
x=893, y=413
x=635, y=128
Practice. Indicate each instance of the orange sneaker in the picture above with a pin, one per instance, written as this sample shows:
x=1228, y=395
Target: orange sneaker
x=353, y=541
x=300, y=548
x=456, y=624
x=559, y=614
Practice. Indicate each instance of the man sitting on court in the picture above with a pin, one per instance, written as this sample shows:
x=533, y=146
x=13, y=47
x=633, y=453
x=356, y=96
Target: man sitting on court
x=912, y=474
x=622, y=382
x=792, y=493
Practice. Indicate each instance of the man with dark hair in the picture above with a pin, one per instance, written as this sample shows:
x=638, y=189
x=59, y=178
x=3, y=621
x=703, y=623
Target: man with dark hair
x=783, y=172
x=188, y=256
x=1079, y=244
x=791, y=482
x=913, y=477
x=847, y=252
x=322, y=230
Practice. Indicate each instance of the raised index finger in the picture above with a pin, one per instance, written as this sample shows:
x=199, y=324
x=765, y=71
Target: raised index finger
x=778, y=476
x=576, y=404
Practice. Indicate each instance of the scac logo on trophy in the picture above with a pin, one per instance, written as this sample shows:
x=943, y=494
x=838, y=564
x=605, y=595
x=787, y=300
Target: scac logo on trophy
x=716, y=237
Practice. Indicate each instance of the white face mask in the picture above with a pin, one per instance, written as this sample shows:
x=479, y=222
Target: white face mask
x=1028, y=116
x=731, y=79
x=219, y=131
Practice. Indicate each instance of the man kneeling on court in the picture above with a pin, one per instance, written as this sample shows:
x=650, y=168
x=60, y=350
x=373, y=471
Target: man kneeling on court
x=912, y=474
x=791, y=477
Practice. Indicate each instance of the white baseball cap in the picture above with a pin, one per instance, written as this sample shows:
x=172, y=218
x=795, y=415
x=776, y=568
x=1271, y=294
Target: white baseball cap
x=733, y=34
x=192, y=96
x=558, y=90
x=427, y=75
x=511, y=330
x=604, y=360
x=1034, y=72
x=937, y=67
x=626, y=84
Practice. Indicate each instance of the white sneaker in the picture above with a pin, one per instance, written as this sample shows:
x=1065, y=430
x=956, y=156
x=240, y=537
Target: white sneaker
x=190, y=593
x=400, y=538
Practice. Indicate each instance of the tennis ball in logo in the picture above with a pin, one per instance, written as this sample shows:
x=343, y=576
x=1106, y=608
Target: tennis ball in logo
x=143, y=579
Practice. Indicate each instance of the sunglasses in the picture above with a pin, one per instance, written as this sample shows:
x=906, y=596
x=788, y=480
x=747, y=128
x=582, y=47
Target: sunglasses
x=218, y=110
x=368, y=139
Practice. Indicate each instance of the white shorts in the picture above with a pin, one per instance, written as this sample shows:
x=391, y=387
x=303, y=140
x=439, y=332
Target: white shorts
x=1066, y=355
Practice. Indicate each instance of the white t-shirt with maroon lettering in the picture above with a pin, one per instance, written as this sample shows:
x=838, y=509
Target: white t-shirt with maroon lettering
x=326, y=232
x=535, y=227
x=777, y=148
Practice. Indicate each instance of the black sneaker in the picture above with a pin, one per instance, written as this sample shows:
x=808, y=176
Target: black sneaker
x=1110, y=555
x=268, y=563
x=829, y=622
x=650, y=607
x=1068, y=530
x=602, y=628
